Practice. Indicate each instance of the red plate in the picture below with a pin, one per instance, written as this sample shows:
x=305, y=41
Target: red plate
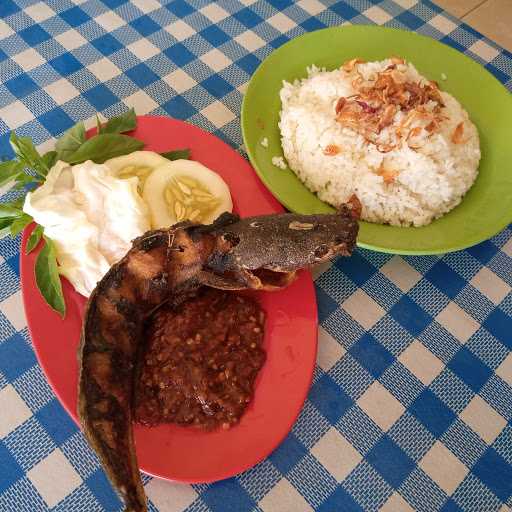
x=179, y=453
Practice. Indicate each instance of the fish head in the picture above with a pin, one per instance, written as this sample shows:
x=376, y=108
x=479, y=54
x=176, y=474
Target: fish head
x=287, y=242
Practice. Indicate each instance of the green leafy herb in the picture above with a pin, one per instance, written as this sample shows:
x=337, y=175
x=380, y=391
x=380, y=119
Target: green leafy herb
x=47, y=277
x=10, y=210
x=9, y=171
x=73, y=147
x=124, y=123
x=24, y=179
x=27, y=154
x=12, y=217
x=5, y=225
x=19, y=224
x=50, y=158
x=16, y=203
x=33, y=239
x=178, y=154
x=104, y=146
x=70, y=141
x=98, y=124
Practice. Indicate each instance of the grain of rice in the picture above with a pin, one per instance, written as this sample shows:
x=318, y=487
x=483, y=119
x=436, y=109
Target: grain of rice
x=278, y=161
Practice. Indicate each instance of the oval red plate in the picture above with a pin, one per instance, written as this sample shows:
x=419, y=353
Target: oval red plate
x=186, y=454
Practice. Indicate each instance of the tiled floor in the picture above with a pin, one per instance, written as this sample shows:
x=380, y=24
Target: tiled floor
x=493, y=18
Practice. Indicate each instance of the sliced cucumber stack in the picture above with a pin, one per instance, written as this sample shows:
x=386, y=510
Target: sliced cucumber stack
x=174, y=190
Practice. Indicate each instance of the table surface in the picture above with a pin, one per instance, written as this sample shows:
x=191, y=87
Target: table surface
x=492, y=18
x=411, y=403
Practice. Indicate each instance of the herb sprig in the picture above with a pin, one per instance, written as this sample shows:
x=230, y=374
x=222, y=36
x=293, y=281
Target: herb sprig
x=29, y=169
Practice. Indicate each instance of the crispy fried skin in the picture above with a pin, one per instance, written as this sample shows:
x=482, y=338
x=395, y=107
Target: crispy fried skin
x=169, y=266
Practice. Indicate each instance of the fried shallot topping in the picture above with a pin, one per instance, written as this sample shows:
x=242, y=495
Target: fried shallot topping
x=377, y=101
x=355, y=206
x=350, y=64
x=396, y=60
x=388, y=175
x=458, y=133
x=331, y=150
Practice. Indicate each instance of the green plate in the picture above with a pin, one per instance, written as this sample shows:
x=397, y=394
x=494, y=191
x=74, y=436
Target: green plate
x=486, y=208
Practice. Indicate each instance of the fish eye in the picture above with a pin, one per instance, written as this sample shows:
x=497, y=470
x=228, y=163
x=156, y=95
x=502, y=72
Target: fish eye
x=233, y=239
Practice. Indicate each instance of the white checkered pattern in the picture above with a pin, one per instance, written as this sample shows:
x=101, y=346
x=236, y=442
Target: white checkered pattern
x=14, y=410
x=54, y=478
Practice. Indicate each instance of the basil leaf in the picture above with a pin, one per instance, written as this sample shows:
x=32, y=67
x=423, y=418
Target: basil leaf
x=177, y=154
x=19, y=224
x=99, y=128
x=104, y=146
x=70, y=141
x=120, y=124
x=9, y=171
x=10, y=211
x=50, y=158
x=27, y=154
x=25, y=178
x=47, y=278
x=17, y=203
x=34, y=238
x=5, y=225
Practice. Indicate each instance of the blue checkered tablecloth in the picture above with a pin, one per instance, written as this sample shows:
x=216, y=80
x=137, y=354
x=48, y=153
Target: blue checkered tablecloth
x=411, y=404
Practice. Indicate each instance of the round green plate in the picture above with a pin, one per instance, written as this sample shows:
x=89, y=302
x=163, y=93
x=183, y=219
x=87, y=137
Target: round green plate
x=486, y=208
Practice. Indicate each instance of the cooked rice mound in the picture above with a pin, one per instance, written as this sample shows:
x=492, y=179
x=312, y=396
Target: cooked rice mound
x=384, y=133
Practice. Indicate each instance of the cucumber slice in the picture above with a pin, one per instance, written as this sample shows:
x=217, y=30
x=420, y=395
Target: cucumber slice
x=185, y=190
x=139, y=164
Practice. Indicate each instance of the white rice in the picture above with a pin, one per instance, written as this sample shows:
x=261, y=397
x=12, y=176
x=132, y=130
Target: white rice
x=278, y=161
x=429, y=180
x=264, y=142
